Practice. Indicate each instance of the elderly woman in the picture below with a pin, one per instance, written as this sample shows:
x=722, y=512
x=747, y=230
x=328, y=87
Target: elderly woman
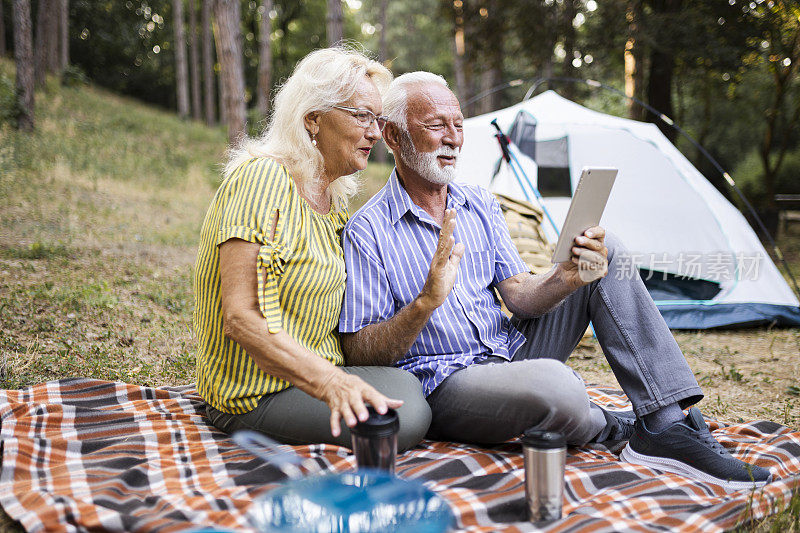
x=270, y=269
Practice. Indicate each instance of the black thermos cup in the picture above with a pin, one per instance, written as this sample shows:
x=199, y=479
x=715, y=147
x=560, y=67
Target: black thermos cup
x=375, y=440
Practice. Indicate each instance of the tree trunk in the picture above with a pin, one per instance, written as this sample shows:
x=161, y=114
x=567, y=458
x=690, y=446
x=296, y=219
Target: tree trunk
x=768, y=164
x=659, y=90
x=706, y=124
x=383, y=51
x=229, y=52
x=492, y=56
x=46, y=40
x=63, y=34
x=23, y=55
x=383, y=55
x=52, y=41
x=496, y=52
x=634, y=56
x=181, y=67
x=223, y=108
x=459, y=51
x=780, y=121
x=335, y=31
x=264, y=59
x=568, y=70
x=659, y=84
x=630, y=76
x=482, y=106
x=208, y=64
x=194, y=60
x=40, y=44
x=2, y=33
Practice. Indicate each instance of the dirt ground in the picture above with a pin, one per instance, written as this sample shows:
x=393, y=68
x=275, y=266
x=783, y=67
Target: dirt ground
x=745, y=374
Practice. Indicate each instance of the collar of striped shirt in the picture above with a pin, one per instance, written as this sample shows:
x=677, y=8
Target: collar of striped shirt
x=400, y=203
x=388, y=245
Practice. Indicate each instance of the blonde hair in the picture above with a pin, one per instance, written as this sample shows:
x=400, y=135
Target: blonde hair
x=321, y=80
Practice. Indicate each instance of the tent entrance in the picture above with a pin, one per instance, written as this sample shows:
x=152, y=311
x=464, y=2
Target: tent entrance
x=554, y=176
x=666, y=286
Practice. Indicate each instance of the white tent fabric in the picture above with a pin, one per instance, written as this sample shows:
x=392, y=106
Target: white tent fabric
x=669, y=216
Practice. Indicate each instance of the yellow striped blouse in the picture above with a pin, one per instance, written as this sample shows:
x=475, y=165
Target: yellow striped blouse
x=301, y=280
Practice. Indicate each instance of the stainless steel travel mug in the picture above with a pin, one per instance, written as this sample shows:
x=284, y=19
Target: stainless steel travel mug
x=545, y=454
x=375, y=440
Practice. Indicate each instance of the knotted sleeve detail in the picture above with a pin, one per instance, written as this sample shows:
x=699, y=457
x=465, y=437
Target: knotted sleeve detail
x=270, y=263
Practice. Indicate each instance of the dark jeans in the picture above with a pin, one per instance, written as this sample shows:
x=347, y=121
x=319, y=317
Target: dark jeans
x=293, y=417
x=498, y=399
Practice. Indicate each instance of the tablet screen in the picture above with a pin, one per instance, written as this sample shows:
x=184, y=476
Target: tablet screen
x=586, y=210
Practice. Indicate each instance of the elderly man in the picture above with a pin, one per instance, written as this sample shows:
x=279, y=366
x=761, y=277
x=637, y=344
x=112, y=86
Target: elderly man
x=423, y=257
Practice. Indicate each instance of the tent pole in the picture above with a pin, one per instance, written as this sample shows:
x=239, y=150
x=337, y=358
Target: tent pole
x=536, y=192
x=511, y=160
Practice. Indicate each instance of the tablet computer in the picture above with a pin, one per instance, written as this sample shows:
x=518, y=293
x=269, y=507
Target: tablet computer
x=588, y=202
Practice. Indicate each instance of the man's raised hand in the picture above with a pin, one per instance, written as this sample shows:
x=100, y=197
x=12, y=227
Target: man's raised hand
x=444, y=265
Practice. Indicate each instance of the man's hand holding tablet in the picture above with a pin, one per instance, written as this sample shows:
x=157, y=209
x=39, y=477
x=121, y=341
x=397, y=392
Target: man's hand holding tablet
x=580, y=251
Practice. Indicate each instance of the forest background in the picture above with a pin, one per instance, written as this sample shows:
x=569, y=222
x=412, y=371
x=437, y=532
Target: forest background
x=724, y=71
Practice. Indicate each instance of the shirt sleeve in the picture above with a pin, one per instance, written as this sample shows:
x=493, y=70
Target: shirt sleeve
x=256, y=191
x=367, y=296
x=507, y=261
x=251, y=196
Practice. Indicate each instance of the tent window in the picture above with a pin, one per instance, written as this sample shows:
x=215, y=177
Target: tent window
x=665, y=286
x=552, y=157
x=554, y=182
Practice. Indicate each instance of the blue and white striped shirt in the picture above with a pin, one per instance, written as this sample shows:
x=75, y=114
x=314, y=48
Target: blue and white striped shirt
x=388, y=247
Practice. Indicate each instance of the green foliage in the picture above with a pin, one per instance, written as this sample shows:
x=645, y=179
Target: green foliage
x=726, y=54
x=297, y=29
x=101, y=136
x=171, y=294
x=125, y=46
x=784, y=518
x=749, y=176
x=79, y=297
x=100, y=210
x=74, y=76
x=256, y=122
x=37, y=250
x=416, y=37
x=128, y=46
x=9, y=107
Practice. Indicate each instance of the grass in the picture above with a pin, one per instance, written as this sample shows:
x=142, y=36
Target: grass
x=99, y=215
x=100, y=210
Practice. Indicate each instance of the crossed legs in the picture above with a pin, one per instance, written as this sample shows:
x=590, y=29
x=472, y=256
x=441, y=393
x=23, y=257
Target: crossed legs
x=497, y=399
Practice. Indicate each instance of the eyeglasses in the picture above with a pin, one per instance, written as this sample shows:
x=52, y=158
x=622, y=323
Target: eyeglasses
x=365, y=117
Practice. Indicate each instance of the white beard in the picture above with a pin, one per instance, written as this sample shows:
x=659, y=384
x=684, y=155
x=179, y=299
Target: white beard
x=426, y=164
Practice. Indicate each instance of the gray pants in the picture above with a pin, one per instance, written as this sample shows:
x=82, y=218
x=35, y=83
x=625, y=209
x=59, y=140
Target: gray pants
x=496, y=400
x=293, y=417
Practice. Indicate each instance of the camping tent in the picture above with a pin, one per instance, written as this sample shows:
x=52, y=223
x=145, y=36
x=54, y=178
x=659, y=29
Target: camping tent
x=701, y=261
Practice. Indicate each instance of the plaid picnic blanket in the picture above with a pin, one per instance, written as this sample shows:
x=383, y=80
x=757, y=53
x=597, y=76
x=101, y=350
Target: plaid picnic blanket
x=89, y=455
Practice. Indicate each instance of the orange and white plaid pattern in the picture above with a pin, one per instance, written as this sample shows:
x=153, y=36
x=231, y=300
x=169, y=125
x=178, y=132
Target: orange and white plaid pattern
x=89, y=455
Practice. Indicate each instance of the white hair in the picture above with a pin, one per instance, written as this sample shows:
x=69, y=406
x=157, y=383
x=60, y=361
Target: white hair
x=395, y=101
x=321, y=80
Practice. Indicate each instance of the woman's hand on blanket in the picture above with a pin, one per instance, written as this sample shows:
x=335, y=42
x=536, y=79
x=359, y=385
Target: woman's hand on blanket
x=347, y=396
x=444, y=265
